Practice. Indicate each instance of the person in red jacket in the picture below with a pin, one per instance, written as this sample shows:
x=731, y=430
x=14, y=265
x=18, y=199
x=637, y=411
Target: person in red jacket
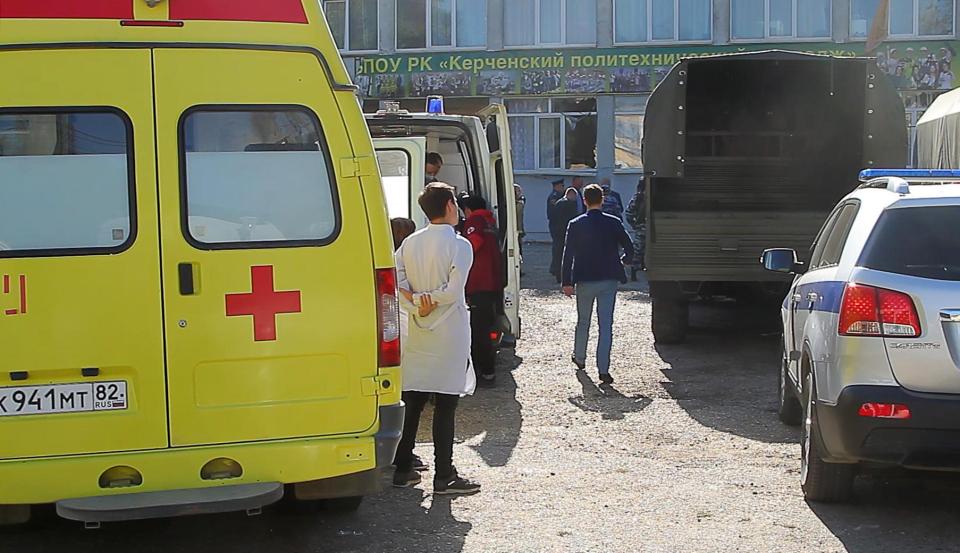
x=484, y=284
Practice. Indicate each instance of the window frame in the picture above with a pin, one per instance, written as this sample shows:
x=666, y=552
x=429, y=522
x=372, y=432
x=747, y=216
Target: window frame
x=793, y=37
x=410, y=199
x=562, y=145
x=827, y=234
x=263, y=244
x=676, y=27
x=429, y=30
x=537, y=44
x=901, y=37
x=628, y=112
x=131, y=183
x=346, y=27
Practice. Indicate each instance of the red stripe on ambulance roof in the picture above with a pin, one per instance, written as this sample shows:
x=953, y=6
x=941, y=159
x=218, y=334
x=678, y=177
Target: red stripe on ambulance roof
x=67, y=9
x=272, y=11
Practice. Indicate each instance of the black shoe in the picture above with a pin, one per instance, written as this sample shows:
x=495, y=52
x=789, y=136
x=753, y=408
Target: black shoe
x=418, y=464
x=455, y=485
x=487, y=380
x=606, y=378
x=406, y=479
x=580, y=364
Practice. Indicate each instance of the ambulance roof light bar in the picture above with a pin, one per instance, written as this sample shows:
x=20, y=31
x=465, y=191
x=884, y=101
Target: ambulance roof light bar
x=435, y=105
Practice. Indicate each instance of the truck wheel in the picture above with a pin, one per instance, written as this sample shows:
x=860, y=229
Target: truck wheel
x=343, y=504
x=789, y=409
x=670, y=320
x=820, y=481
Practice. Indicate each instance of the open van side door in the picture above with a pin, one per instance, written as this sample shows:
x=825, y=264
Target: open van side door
x=403, y=175
x=505, y=206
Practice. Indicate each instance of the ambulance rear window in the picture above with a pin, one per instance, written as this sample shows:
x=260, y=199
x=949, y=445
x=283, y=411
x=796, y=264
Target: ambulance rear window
x=66, y=185
x=256, y=177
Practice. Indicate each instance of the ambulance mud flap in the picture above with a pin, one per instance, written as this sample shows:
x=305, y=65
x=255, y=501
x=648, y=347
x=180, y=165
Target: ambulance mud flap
x=162, y=504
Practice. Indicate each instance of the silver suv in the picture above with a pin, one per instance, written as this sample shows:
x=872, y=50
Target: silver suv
x=871, y=341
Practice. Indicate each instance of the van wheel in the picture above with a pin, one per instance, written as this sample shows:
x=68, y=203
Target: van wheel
x=820, y=481
x=343, y=505
x=789, y=409
x=670, y=320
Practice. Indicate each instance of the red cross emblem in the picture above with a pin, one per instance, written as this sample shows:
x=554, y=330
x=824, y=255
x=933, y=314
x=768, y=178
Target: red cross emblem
x=264, y=303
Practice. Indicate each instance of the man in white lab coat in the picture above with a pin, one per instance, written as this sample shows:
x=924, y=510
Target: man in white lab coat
x=432, y=269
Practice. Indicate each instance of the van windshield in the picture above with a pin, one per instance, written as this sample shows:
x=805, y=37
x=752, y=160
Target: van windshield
x=916, y=241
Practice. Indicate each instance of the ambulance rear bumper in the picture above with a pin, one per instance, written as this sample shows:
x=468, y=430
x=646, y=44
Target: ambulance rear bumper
x=296, y=461
x=171, y=503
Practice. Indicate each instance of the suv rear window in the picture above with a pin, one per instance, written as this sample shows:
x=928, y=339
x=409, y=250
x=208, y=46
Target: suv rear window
x=916, y=241
x=257, y=176
x=66, y=185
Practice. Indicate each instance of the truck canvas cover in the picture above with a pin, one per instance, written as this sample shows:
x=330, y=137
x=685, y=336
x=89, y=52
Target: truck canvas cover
x=938, y=133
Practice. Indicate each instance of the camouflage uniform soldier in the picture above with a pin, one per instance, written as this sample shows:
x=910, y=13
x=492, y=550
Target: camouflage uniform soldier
x=637, y=219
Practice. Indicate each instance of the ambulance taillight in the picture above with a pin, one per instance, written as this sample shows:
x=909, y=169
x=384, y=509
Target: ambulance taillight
x=388, y=318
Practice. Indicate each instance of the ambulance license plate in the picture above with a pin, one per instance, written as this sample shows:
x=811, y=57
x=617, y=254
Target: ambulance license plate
x=63, y=398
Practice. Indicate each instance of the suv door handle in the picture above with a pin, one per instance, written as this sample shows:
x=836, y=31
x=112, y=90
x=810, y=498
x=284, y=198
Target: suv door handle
x=950, y=315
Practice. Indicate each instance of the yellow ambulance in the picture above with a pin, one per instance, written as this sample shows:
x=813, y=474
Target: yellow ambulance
x=197, y=298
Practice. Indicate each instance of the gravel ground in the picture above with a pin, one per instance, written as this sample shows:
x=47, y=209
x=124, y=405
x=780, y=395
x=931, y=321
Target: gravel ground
x=683, y=453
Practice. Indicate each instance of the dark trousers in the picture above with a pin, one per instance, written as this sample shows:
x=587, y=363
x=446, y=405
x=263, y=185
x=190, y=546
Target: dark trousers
x=557, y=254
x=444, y=414
x=483, y=316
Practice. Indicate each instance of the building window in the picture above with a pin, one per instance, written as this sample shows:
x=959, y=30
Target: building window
x=667, y=20
x=550, y=22
x=765, y=19
x=441, y=24
x=354, y=24
x=558, y=133
x=906, y=18
x=628, y=131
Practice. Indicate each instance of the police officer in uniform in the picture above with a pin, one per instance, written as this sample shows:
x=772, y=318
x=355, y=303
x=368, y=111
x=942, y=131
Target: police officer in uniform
x=555, y=196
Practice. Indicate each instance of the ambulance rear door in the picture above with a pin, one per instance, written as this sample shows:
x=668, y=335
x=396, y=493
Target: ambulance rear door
x=402, y=164
x=505, y=206
x=268, y=274
x=81, y=342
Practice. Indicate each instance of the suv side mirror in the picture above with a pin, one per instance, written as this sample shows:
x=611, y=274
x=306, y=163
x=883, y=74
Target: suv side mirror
x=781, y=260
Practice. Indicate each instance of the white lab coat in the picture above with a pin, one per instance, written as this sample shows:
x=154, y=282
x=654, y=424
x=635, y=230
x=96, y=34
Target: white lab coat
x=436, y=348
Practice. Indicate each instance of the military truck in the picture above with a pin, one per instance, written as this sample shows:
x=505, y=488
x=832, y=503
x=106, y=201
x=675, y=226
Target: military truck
x=742, y=151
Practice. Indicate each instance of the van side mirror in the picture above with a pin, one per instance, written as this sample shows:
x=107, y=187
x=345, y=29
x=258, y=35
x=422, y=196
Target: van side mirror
x=781, y=260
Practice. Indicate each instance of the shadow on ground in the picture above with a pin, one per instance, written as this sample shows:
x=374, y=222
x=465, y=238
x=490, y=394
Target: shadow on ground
x=725, y=375
x=896, y=512
x=408, y=523
x=493, y=414
x=606, y=400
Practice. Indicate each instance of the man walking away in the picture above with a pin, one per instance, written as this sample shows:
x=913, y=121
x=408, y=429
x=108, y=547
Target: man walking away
x=432, y=268
x=484, y=285
x=555, y=196
x=567, y=210
x=592, y=263
x=433, y=166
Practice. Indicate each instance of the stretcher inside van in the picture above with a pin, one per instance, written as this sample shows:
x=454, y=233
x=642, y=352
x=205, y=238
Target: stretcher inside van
x=197, y=298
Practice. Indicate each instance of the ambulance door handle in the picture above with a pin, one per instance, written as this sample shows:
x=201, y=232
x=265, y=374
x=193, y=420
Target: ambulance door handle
x=185, y=274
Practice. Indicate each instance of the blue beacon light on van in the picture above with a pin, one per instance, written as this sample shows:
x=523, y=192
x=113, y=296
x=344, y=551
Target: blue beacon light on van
x=907, y=174
x=435, y=105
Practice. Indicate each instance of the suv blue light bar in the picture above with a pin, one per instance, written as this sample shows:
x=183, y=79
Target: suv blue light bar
x=907, y=174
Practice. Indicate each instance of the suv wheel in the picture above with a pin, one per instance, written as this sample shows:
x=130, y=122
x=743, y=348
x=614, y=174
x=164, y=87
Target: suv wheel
x=788, y=409
x=820, y=481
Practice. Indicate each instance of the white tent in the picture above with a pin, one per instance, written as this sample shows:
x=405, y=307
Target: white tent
x=938, y=133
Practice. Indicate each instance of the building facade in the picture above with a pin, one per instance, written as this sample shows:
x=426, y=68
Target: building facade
x=575, y=74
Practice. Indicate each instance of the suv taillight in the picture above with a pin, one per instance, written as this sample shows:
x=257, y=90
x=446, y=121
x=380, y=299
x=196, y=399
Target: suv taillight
x=388, y=318
x=871, y=311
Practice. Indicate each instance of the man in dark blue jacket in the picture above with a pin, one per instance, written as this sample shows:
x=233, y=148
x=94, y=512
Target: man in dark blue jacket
x=592, y=262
